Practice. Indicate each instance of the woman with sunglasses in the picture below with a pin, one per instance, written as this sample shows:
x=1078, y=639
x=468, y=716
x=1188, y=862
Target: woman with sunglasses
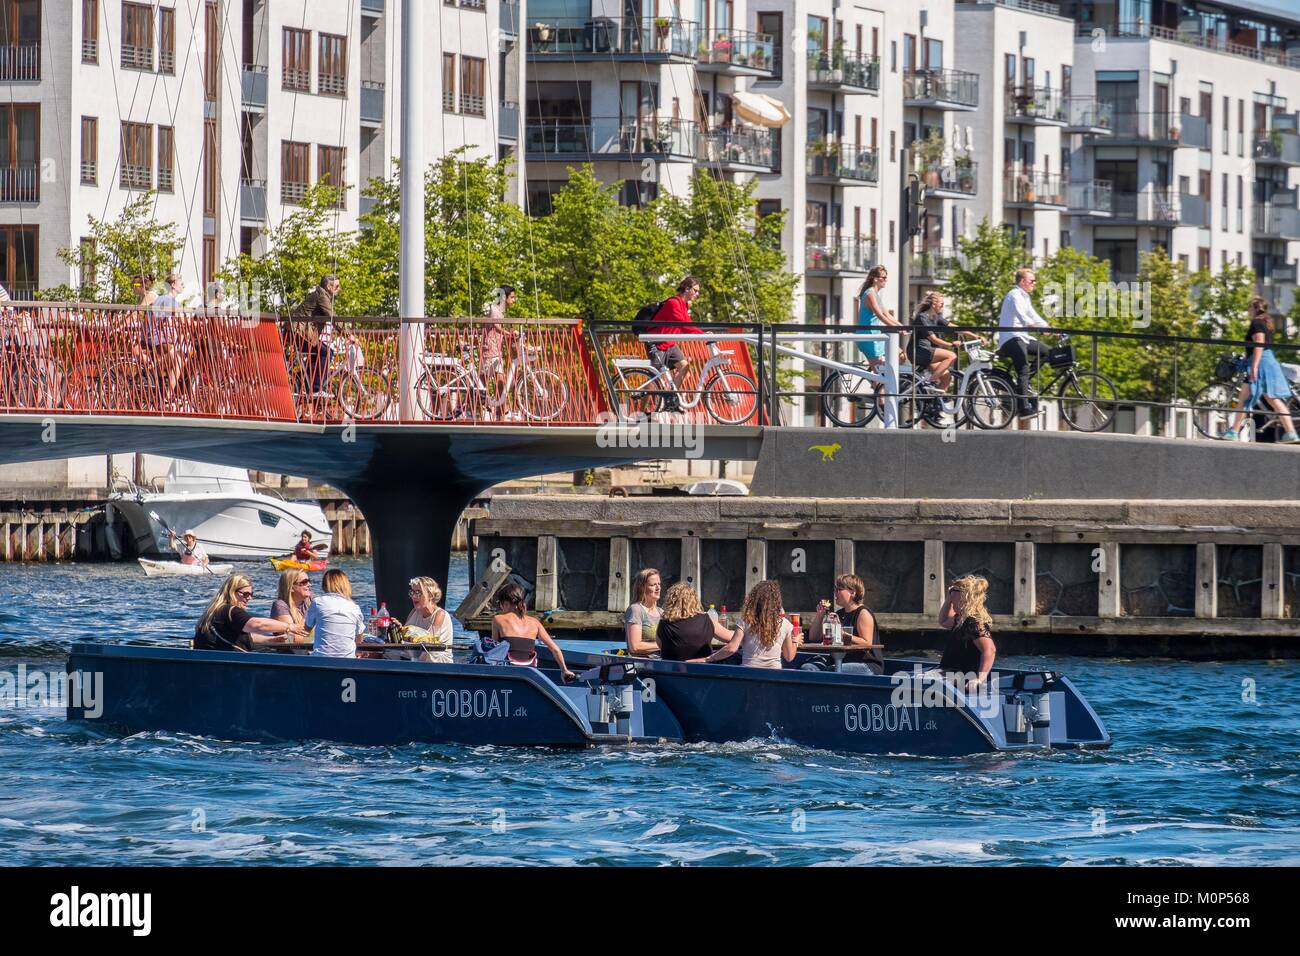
x=226, y=624
x=426, y=615
x=293, y=597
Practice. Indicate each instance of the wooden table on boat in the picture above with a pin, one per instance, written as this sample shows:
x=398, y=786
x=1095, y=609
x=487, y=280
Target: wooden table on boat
x=839, y=650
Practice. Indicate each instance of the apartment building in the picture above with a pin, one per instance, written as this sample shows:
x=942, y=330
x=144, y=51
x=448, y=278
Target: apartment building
x=229, y=110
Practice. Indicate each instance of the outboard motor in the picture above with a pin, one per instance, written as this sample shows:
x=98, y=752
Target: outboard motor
x=611, y=697
x=1027, y=711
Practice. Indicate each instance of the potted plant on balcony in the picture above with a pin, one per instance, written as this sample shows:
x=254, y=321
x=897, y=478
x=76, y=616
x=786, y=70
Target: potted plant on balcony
x=1275, y=141
x=965, y=172
x=722, y=49
x=837, y=61
x=929, y=156
x=662, y=27
x=759, y=58
x=1175, y=133
x=826, y=157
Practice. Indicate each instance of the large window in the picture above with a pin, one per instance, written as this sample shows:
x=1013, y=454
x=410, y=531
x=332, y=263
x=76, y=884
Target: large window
x=89, y=31
x=137, y=156
x=329, y=170
x=295, y=171
x=211, y=51
x=20, y=40
x=449, y=82
x=333, y=65
x=211, y=168
x=166, y=40
x=297, y=60
x=166, y=159
x=473, y=85
x=18, y=265
x=771, y=23
x=20, y=151
x=89, y=151
x=137, y=36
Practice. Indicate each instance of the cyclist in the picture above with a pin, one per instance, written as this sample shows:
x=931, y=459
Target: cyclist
x=928, y=351
x=674, y=316
x=160, y=333
x=316, y=309
x=1264, y=376
x=872, y=313
x=495, y=337
x=1014, y=343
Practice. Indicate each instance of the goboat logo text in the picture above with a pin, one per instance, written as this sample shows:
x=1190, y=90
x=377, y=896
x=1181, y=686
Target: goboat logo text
x=76, y=909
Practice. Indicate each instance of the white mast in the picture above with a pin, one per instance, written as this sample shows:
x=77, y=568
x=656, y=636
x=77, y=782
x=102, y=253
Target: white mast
x=411, y=276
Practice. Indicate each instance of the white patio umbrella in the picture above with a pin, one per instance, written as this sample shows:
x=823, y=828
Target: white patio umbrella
x=759, y=109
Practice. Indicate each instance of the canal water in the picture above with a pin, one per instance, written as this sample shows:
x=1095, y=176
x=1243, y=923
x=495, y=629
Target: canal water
x=1204, y=771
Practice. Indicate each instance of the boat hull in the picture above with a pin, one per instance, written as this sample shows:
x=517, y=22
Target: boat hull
x=174, y=569
x=230, y=527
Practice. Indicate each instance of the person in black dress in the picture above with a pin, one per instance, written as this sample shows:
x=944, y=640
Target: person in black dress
x=969, y=654
x=686, y=631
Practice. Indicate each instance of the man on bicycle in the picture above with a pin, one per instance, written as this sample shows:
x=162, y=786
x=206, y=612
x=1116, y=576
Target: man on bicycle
x=674, y=317
x=1014, y=343
x=317, y=309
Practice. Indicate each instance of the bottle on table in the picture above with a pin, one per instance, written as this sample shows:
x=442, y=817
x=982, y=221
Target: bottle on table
x=713, y=614
x=722, y=618
x=798, y=628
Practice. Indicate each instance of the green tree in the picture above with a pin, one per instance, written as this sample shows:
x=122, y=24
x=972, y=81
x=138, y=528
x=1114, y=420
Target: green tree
x=1222, y=299
x=117, y=252
x=986, y=271
x=1161, y=371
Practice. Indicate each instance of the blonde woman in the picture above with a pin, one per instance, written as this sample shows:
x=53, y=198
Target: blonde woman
x=293, y=598
x=337, y=621
x=765, y=638
x=226, y=624
x=641, y=622
x=426, y=595
x=685, y=631
x=970, y=650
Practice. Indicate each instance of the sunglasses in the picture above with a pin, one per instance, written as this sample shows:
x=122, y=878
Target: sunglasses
x=244, y=594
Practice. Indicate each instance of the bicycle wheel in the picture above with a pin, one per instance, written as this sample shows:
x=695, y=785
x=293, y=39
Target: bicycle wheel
x=636, y=399
x=543, y=396
x=917, y=403
x=849, y=401
x=365, y=394
x=25, y=388
x=991, y=401
x=1087, y=400
x=445, y=393
x=1209, y=406
x=731, y=397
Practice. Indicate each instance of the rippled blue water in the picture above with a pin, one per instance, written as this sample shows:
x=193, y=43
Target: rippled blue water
x=1197, y=775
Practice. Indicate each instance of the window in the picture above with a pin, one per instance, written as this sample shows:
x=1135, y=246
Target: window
x=875, y=41
x=295, y=171
x=297, y=60
x=1202, y=259
x=1224, y=202
x=772, y=24
x=20, y=151
x=1009, y=71
x=212, y=51
x=449, y=82
x=167, y=40
x=1241, y=128
x=166, y=159
x=137, y=37
x=933, y=54
x=86, y=267
x=89, y=151
x=137, y=156
x=1067, y=80
x=893, y=56
x=473, y=85
x=1241, y=197
x=20, y=39
x=636, y=193
x=18, y=265
x=1227, y=121
x=329, y=170
x=891, y=235
x=1027, y=68
x=89, y=31
x=818, y=30
x=209, y=260
x=211, y=167
x=268, y=519
x=333, y=65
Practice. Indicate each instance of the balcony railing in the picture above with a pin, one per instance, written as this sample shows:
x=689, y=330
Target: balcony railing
x=936, y=265
x=331, y=84
x=508, y=122
x=474, y=4
x=1205, y=40
x=610, y=138
x=1193, y=211
x=841, y=71
x=473, y=104
x=89, y=49
x=957, y=180
x=89, y=172
x=20, y=62
x=1032, y=187
x=1036, y=104
x=1157, y=128
x=828, y=161
x=137, y=57
x=829, y=254
x=372, y=8
x=298, y=81
x=508, y=18
x=736, y=51
x=448, y=101
x=1193, y=131
x=1094, y=196
x=1278, y=148
x=941, y=89
x=252, y=200
x=594, y=38
x=20, y=183
x=1279, y=218
x=167, y=62
x=253, y=93
x=293, y=192
x=1087, y=114
x=1153, y=206
x=136, y=177
x=166, y=180
x=372, y=102
x=741, y=146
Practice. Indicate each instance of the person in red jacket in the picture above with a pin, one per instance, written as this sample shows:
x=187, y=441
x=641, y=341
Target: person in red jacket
x=673, y=317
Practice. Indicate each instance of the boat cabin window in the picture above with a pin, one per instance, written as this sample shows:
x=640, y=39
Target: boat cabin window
x=269, y=519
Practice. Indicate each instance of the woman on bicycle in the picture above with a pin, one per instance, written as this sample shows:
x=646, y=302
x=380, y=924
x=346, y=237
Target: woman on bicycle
x=873, y=314
x=928, y=350
x=495, y=338
x=1264, y=376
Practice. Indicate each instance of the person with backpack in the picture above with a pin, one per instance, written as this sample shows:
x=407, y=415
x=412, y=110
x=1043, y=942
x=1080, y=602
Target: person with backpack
x=673, y=317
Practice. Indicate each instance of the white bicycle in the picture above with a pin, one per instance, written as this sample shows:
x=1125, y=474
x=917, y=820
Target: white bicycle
x=450, y=387
x=730, y=397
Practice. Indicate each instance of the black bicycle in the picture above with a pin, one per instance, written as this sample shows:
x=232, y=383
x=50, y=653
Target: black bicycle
x=1214, y=405
x=1086, y=398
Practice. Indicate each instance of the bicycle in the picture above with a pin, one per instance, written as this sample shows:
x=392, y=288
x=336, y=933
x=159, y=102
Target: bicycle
x=1214, y=405
x=450, y=388
x=1087, y=399
x=359, y=391
x=730, y=397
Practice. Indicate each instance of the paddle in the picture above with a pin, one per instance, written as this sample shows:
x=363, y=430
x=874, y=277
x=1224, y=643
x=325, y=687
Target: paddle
x=171, y=533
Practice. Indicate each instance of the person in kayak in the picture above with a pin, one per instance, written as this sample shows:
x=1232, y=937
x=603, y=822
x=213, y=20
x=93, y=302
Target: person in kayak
x=969, y=654
x=305, y=550
x=226, y=624
x=338, y=622
x=188, y=547
x=513, y=625
x=764, y=636
x=425, y=614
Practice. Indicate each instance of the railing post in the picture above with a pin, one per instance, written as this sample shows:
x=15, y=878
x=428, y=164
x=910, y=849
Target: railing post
x=889, y=412
x=411, y=276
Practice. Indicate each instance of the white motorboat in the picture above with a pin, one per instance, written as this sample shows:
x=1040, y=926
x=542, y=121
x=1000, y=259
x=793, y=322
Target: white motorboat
x=232, y=520
x=164, y=569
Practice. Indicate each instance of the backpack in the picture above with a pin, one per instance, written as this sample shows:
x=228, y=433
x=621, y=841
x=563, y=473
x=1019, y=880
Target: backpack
x=644, y=321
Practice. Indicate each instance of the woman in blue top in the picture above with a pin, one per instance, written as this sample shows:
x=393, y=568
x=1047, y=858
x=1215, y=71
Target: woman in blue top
x=1264, y=374
x=873, y=314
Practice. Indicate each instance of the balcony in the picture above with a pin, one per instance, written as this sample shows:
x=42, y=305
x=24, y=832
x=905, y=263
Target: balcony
x=568, y=140
x=953, y=90
x=366, y=205
x=473, y=104
x=575, y=39
x=830, y=255
x=1093, y=197
x=372, y=104
x=1193, y=211
x=955, y=180
x=842, y=164
x=252, y=202
x=331, y=84
x=1032, y=189
x=372, y=8
x=1194, y=131
x=741, y=149
x=933, y=267
x=167, y=62
x=1204, y=39
x=253, y=94
x=293, y=193
x=737, y=53
x=1156, y=129
x=137, y=57
x=89, y=172
x=474, y=4
x=20, y=62
x=1277, y=219
x=508, y=122
x=295, y=81
x=89, y=49
x=136, y=177
x=1152, y=207
x=1278, y=148
x=1036, y=106
x=20, y=184
x=1089, y=115
x=508, y=19
x=840, y=72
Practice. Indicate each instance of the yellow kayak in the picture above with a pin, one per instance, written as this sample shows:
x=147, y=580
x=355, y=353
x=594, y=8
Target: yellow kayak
x=293, y=564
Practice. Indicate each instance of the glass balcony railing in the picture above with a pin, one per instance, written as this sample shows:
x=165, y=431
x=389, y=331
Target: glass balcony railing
x=1152, y=206
x=957, y=180
x=842, y=71
x=508, y=121
x=1032, y=187
x=1088, y=114
x=1160, y=129
x=736, y=51
x=1193, y=210
x=1278, y=148
x=610, y=138
x=933, y=265
x=1035, y=104
x=941, y=89
x=372, y=102
x=252, y=200
x=741, y=146
x=254, y=87
x=831, y=254
x=1279, y=218
x=508, y=18
x=601, y=37
x=1090, y=197
x=844, y=163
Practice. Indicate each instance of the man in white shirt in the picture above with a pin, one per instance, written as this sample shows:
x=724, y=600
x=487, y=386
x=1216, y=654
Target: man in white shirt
x=1014, y=343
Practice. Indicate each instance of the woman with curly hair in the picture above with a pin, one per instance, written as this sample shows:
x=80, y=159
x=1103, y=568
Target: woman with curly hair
x=686, y=631
x=970, y=650
x=764, y=636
